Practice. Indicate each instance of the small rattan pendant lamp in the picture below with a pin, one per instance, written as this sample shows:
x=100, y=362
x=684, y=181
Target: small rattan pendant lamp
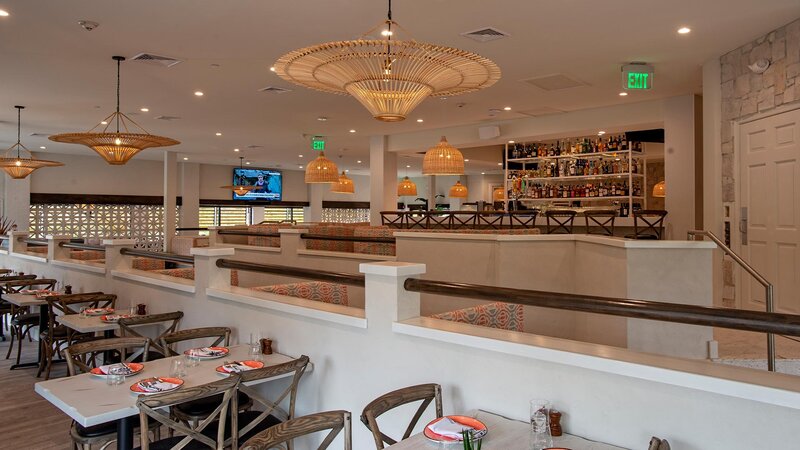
x=344, y=185
x=240, y=189
x=118, y=147
x=458, y=190
x=18, y=167
x=322, y=170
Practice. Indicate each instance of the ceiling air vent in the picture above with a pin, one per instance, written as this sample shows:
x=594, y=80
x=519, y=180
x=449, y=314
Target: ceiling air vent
x=255, y=146
x=485, y=34
x=540, y=111
x=555, y=82
x=156, y=60
x=274, y=90
x=167, y=118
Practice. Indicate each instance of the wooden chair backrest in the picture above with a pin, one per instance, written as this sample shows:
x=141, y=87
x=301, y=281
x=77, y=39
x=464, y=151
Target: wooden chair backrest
x=439, y=220
x=489, y=219
x=426, y=393
x=155, y=406
x=392, y=219
x=563, y=220
x=82, y=357
x=71, y=304
x=653, y=222
x=170, y=320
x=600, y=222
x=523, y=219
x=17, y=277
x=463, y=220
x=295, y=367
x=222, y=336
x=16, y=286
x=335, y=421
x=417, y=219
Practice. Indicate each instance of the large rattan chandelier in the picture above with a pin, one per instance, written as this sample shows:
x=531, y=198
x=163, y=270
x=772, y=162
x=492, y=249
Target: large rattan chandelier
x=239, y=188
x=17, y=166
x=344, y=185
x=118, y=147
x=322, y=170
x=443, y=159
x=389, y=76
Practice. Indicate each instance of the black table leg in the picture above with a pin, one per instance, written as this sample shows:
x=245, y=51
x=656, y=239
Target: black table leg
x=108, y=354
x=125, y=432
x=43, y=321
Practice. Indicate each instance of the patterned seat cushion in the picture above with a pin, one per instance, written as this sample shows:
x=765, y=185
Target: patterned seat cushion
x=37, y=249
x=265, y=241
x=318, y=291
x=330, y=230
x=374, y=248
x=87, y=255
x=182, y=245
x=505, y=316
x=142, y=263
x=188, y=273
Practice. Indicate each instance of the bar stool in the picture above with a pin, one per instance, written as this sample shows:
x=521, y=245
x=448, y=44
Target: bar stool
x=652, y=227
x=600, y=222
x=563, y=219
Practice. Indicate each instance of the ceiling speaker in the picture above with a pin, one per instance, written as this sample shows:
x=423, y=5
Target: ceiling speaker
x=489, y=132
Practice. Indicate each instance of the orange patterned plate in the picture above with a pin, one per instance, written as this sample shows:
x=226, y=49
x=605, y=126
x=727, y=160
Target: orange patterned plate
x=477, y=425
x=248, y=365
x=156, y=385
x=207, y=352
x=134, y=368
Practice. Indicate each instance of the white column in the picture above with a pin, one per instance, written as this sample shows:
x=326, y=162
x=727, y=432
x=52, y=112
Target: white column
x=315, y=193
x=431, y=192
x=115, y=261
x=190, y=195
x=684, y=196
x=258, y=214
x=17, y=201
x=206, y=272
x=387, y=301
x=170, y=194
x=713, y=209
x=54, y=251
x=382, y=178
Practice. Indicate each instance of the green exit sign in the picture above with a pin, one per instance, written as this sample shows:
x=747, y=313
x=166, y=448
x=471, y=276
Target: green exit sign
x=637, y=76
x=318, y=144
x=638, y=80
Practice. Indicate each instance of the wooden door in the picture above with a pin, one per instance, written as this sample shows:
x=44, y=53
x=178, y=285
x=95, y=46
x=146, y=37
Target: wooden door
x=770, y=191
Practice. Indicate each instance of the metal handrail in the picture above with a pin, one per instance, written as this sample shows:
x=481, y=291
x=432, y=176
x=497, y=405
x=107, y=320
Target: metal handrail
x=38, y=242
x=336, y=277
x=247, y=233
x=754, y=273
x=323, y=237
x=78, y=246
x=172, y=257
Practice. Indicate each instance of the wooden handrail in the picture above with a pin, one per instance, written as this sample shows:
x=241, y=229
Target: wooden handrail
x=81, y=246
x=779, y=323
x=335, y=277
x=172, y=257
x=322, y=237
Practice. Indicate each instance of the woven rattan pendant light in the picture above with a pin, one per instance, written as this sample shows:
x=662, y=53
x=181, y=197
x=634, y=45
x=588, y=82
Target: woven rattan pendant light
x=660, y=189
x=118, y=147
x=240, y=189
x=443, y=159
x=344, y=185
x=406, y=187
x=458, y=190
x=387, y=75
x=322, y=170
x=13, y=162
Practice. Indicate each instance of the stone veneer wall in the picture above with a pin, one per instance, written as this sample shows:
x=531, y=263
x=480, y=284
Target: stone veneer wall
x=745, y=93
x=655, y=173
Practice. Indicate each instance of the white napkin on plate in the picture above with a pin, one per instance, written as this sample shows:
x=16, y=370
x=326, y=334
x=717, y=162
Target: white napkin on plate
x=118, y=368
x=449, y=427
x=157, y=386
x=206, y=351
x=236, y=367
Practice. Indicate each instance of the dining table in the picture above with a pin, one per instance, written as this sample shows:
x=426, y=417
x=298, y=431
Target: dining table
x=26, y=301
x=503, y=433
x=89, y=401
x=89, y=324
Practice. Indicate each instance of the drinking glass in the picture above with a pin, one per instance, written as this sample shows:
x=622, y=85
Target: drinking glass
x=83, y=311
x=178, y=369
x=540, y=424
x=114, y=378
x=132, y=311
x=191, y=359
x=255, y=351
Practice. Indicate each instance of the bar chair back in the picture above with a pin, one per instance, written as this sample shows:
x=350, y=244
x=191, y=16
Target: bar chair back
x=335, y=421
x=562, y=219
x=426, y=393
x=600, y=222
x=523, y=219
x=489, y=219
x=170, y=321
x=648, y=224
x=392, y=219
x=157, y=407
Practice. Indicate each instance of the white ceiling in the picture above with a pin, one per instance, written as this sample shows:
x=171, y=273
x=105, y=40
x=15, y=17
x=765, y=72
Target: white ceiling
x=65, y=75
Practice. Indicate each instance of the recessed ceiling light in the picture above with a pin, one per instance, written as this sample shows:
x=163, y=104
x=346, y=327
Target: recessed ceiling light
x=322, y=119
x=420, y=121
x=359, y=161
x=507, y=108
x=218, y=133
x=684, y=30
x=236, y=149
x=103, y=122
x=408, y=166
x=510, y=142
x=300, y=167
x=483, y=173
x=499, y=164
x=466, y=160
x=600, y=133
x=3, y=13
x=247, y=163
x=623, y=94
x=198, y=93
x=43, y=147
x=300, y=156
x=352, y=131
x=185, y=158
x=347, y=170
x=144, y=109
x=272, y=69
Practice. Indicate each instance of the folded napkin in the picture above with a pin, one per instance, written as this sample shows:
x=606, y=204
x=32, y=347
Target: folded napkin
x=449, y=427
x=206, y=351
x=115, y=317
x=118, y=369
x=157, y=385
x=236, y=367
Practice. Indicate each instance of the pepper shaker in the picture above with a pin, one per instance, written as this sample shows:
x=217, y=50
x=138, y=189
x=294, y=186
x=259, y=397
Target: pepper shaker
x=555, y=423
x=266, y=346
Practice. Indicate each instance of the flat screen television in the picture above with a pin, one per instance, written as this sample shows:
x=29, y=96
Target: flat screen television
x=268, y=184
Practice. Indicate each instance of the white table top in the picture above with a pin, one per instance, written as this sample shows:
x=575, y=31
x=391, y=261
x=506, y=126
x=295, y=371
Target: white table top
x=504, y=434
x=24, y=299
x=90, y=401
x=88, y=324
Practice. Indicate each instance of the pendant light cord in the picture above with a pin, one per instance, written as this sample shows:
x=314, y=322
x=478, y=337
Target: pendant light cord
x=19, y=127
x=119, y=61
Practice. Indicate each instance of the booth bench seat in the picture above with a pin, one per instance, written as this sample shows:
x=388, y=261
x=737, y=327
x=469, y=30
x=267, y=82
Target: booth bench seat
x=505, y=316
x=318, y=291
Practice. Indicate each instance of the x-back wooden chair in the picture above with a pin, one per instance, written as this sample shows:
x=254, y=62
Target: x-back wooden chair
x=462, y=220
x=417, y=219
x=21, y=322
x=335, y=421
x=392, y=219
x=489, y=219
x=523, y=218
x=426, y=393
x=600, y=222
x=170, y=320
x=562, y=219
x=651, y=226
x=221, y=335
x=156, y=407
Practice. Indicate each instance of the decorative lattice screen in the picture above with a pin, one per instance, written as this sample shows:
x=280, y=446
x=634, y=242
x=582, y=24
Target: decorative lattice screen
x=144, y=223
x=345, y=215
